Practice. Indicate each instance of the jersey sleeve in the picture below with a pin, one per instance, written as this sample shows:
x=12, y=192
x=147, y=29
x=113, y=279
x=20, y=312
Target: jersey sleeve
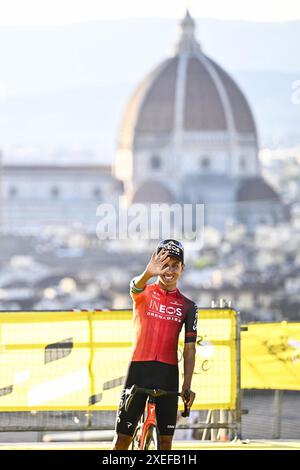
x=191, y=323
x=134, y=294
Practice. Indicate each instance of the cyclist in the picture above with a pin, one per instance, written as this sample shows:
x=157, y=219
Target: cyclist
x=159, y=312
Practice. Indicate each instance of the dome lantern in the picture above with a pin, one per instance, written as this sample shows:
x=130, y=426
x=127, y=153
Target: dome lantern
x=187, y=41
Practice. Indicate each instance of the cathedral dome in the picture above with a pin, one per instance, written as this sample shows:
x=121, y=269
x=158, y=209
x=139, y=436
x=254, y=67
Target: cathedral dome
x=188, y=92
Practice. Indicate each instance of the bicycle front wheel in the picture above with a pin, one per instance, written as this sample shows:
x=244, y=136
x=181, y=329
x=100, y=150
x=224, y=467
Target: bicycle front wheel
x=152, y=438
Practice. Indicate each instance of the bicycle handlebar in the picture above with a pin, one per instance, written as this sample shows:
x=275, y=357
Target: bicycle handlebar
x=153, y=392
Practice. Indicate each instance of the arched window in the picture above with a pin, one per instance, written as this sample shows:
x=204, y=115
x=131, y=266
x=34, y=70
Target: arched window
x=205, y=162
x=155, y=162
x=97, y=193
x=54, y=192
x=243, y=163
x=12, y=192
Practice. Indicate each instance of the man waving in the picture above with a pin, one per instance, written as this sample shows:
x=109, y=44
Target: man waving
x=159, y=311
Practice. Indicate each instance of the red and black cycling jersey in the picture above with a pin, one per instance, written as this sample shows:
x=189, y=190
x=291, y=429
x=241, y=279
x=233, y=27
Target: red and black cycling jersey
x=159, y=316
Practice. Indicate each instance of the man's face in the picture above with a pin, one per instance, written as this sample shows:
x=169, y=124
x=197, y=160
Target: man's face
x=175, y=268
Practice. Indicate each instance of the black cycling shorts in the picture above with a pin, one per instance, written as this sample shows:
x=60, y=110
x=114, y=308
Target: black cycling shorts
x=150, y=374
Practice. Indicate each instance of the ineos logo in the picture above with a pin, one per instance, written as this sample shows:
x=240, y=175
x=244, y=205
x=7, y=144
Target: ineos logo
x=161, y=308
x=172, y=247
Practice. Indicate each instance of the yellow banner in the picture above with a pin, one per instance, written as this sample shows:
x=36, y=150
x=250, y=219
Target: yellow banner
x=77, y=360
x=270, y=356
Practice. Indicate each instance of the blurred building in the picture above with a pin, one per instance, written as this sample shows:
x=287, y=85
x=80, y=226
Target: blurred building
x=36, y=194
x=189, y=136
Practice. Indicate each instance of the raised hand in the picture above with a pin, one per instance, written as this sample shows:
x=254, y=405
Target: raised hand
x=157, y=264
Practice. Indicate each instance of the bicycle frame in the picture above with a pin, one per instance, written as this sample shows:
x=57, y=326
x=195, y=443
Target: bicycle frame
x=149, y=421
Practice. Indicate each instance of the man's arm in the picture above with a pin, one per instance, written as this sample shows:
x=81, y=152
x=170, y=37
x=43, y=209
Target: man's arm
x=141, y=280
x=189, y=354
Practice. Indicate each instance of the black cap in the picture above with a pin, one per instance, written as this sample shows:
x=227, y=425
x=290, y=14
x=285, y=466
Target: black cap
x=174, y=248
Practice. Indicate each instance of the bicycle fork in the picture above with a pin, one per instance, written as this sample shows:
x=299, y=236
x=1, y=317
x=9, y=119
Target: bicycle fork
x=149, y=421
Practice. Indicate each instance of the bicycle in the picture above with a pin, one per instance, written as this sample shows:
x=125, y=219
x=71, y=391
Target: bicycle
x=146, y=436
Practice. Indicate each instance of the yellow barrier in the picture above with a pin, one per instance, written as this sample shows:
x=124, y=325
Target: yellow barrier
x=77, y=360
x=270, y=355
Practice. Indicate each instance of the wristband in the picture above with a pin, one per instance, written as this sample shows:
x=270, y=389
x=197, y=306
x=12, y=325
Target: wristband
x=135, y=289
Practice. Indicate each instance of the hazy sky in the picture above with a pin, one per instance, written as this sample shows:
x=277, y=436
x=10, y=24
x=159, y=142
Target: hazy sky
x=46, y=12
